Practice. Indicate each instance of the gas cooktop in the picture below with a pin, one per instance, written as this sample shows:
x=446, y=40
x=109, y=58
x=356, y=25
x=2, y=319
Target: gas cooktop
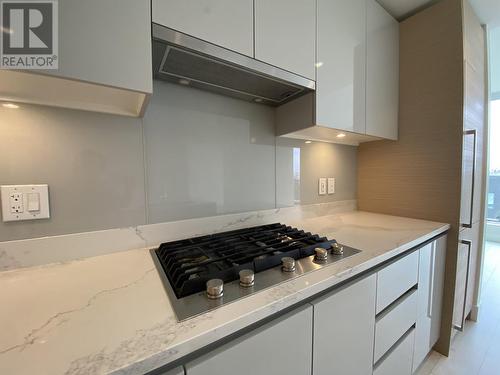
x=203, y=273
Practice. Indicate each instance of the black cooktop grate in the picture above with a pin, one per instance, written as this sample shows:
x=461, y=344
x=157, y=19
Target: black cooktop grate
x=189, y=264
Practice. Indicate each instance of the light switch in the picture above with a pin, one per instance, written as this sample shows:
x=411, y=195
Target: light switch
x=33, y=202
x=25, y=202
x=322, y=186
x=331, y=185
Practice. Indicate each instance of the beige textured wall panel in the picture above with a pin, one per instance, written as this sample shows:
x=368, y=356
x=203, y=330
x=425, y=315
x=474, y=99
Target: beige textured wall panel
x=420, y=175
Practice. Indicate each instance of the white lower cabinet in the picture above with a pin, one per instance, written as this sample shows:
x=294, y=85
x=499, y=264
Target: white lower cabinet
x=281, y=347
x=430, y=294
x=382, y=324
x=396, y=279
x=392, y=324
x=175, y=371
x=398, y=360
x=344, y=325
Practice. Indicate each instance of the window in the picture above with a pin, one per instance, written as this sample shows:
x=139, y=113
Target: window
x=494, y=171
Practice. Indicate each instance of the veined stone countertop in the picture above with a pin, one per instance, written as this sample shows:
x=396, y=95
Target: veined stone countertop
x=110, y=314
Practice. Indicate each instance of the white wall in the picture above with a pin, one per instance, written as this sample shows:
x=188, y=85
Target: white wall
x=194, y=154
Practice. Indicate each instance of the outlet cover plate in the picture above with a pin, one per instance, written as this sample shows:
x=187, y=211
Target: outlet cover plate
x=322, y=186
x=16, y=206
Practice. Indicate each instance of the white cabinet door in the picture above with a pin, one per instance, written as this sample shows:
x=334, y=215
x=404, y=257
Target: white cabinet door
x=424, y=313
x=227, y=23
x=382, y=72
x=439, y=257
x=285, y=34
x=341, y=61
x=344, y=325
x=106, y=42
x=104, y=60
x=282, y=347
x=430, y=294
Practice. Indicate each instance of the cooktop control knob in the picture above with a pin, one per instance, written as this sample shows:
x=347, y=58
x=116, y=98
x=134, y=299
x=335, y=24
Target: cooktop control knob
x=288, y=264
x=337, y=249
x=247, y=278
x=320, y=254
x=215, y=288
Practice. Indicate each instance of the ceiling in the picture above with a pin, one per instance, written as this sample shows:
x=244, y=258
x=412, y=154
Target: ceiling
x=401, y=9
x=487, y=10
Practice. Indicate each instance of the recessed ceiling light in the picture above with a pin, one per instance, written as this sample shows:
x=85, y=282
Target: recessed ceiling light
x=257, y=100
x=184, y=82
x=319, y=64
x=341, y=135
x=10, y=105
x=308, y=142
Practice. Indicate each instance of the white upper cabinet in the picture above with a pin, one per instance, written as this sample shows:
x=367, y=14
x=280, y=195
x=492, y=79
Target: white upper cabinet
x=382, y=73
x=108, y=42
x=227, y=23
x=341, y=55
x=104, y=60
x=357, y=77
x=285, y=34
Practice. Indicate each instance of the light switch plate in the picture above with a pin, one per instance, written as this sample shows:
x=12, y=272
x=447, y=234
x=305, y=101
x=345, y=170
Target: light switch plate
x=322, y=186
x=331, y=185
x=25, y=202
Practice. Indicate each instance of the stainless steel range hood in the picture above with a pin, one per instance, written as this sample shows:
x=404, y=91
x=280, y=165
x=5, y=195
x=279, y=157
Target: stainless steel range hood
x=180, y=58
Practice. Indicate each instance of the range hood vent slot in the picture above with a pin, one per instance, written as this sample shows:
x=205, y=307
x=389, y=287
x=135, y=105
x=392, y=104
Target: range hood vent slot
x=178, y=64
x=182, y=59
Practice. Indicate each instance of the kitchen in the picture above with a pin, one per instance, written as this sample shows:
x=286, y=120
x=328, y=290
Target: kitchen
x=197, y=181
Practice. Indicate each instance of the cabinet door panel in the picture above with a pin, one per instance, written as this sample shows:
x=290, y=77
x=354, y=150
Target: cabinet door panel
x=461, y=281
x=473, y=236
x=98, y=44
x=282, y=347
x=285, y=34
x=382, y=73
x=344, y=325
x=438, y=287
x=341, y=59
x=227, y=23
x=473, y=121
x=423, y=328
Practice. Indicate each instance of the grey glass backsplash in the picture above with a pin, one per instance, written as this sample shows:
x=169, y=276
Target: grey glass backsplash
x=194, y=154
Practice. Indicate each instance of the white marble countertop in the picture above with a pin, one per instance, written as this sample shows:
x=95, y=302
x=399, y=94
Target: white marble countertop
x=110, y=314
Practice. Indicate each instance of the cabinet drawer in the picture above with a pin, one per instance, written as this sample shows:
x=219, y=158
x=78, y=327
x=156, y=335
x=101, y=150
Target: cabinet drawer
x=393, y=323
x=396, y=279
x=399, y=360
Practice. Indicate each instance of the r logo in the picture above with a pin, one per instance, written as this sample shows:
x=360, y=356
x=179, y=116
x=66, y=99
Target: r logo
x=29, y=28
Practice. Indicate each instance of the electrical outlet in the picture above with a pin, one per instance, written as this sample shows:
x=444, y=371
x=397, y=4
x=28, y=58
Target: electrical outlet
x=322, y=186
x=25, y=202
x=331, y=185
x=16, y=203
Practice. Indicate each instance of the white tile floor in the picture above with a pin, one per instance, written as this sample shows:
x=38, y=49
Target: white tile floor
x=476, y=351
